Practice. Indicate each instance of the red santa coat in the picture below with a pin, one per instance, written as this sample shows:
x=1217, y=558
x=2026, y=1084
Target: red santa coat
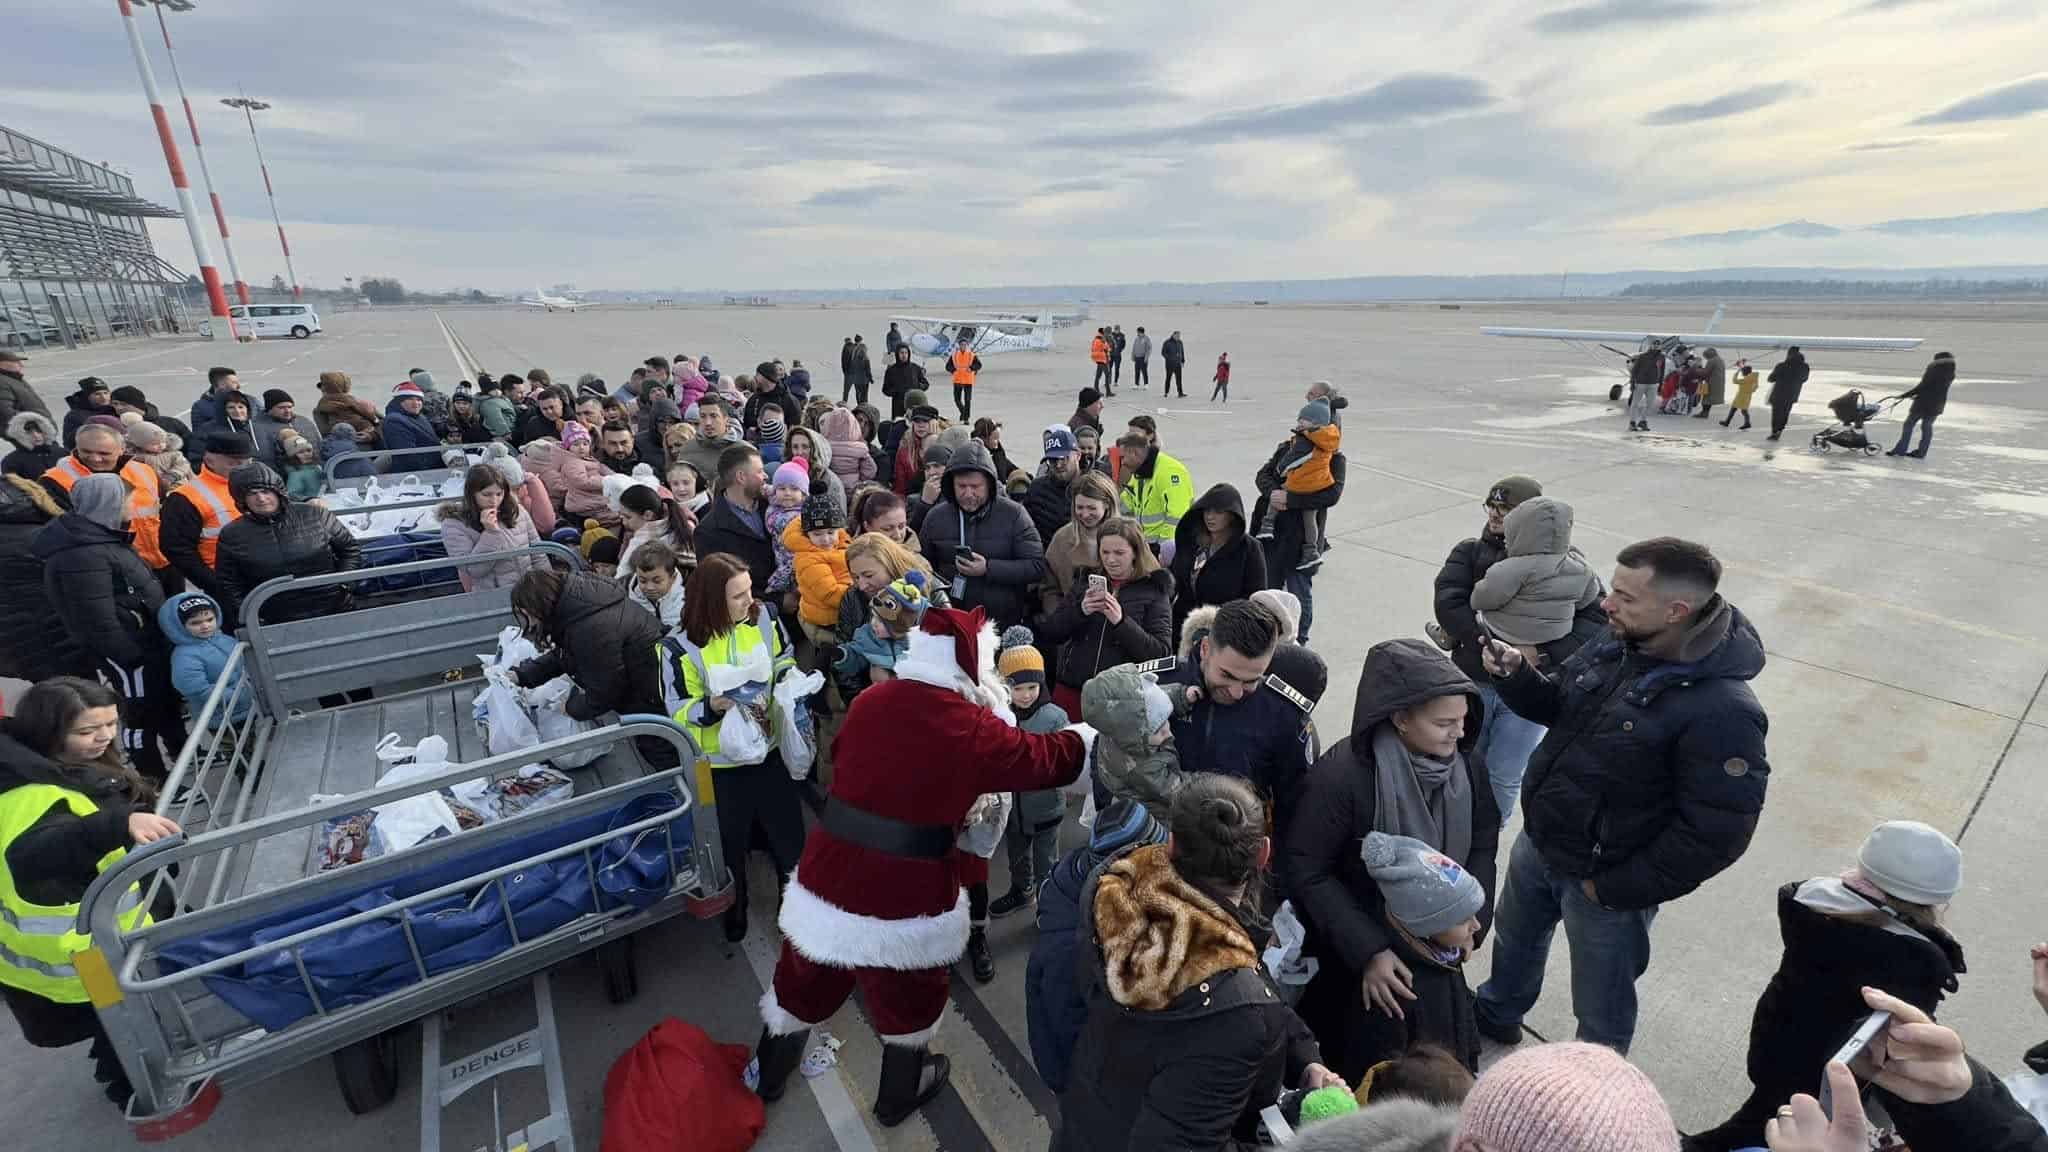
x=919, y=749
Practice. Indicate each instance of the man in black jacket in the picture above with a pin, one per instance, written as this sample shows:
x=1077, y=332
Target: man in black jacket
x=1174, y=355
x=902, y=377
x=1649, y=782
x=1930, y=399
x=981, y=540
x=1787, y=379
x=275, y=536
x=769, y=389
x=736, y=520
x=1049, y=498
x=1283, y=551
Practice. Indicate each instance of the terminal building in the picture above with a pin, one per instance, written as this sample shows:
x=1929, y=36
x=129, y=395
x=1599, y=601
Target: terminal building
x=76, y=264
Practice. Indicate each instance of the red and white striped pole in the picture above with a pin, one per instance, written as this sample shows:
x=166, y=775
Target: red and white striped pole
x=216, y=299
x=249, y=109
x=220, y=215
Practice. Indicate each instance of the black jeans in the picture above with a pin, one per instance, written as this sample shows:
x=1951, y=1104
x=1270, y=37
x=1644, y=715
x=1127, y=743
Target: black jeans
x=1116, y=369
x=1779, y=414
x=963, y=399
x=1140, y=375
x=1173, y=379
x=1102, y=379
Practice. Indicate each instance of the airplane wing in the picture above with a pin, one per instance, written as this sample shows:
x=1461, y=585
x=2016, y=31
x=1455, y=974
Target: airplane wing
x=931, y=320
x=1715, y=339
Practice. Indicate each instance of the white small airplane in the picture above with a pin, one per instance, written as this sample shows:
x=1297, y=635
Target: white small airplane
x=1056, y=319
x=540, y=299
x=938, y=336
x=1678, y=343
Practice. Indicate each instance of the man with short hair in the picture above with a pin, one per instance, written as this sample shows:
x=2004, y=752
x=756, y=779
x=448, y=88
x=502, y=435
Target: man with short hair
x=1156, y=491
x=1650, y=781
x=983, y=541
x=1087, y=412
x=206, y=411
x=195, y=512
x=100, y=449
x=736, y=520
x=1326, y=391
x=15, y=394
x=1141, y=355
x=769, y=390
x=615, y=449
x=1049, y=500
x=1284, y=550
x=715, y=434
x=1230, y=715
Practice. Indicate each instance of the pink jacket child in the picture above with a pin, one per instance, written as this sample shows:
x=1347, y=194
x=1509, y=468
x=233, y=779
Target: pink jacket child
x=851, y=460
x=542, y=460
x=583, y=480
x=529, y=489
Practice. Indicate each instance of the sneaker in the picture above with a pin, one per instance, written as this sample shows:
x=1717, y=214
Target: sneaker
x=1439, y=637
x=979, y=958
x=1264, y=534
x=1309, y=564
x=1506, y=1035
x=1018, y=900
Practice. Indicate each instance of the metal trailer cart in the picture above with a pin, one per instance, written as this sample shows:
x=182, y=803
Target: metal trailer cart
x=381, y=460
x=270, y=962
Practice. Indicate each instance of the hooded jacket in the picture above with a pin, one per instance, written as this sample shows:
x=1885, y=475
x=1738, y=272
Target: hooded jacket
x=337, y=403
x=1467, y=563
x=99, y=586
x=460, y=540
x=24, y=460
x=792, y=412
x=1717, y=377
x=821, y=575
x=606, y=644
x=1788, y=379
x=17, y=397
x=404, y=430
x=335, y=443
x=1395, y=1125
x=1930, y=395
x=850, y=460
x=1126, y=763
x=581, y=494
x=1092, y=643
x=823, y=468
x=34, y=644
x=1183, y=1045
x=78, y=409
x=268, y=431
x=1532, y=595
x=1652, y=776
x=1338, y=900
x=196, y=664
x=901, y=378
x=296, y=540
x=1232, y=572
x=1173, y=351
x=1000, y=532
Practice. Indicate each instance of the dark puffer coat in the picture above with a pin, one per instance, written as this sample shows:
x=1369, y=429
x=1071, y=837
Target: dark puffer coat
x=1652, y=776
x=34, y=644
x=1093, y=643
x=1788, y=380
x=1338, y=901
x=296, y=540
x=1051, y=504
x=606, y=644
x=721, y=529
x=101, y=589
x=1233, y=572
x=1000, y=532
x=1930, y=395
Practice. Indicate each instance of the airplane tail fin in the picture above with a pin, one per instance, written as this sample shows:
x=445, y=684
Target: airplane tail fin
x=1715, y=323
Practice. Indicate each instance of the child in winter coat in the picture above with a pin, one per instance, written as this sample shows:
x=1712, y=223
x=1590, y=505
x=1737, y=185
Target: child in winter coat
x=851, y=461
x=1878, y=924
x=657, y=585
x=1432, y=906
x=159, y=449
x=1529, y=597
x=1745, y=388
x=870, y=655
x=792, y=486
x=1134, y=751
x=582, y=479
x=1033, y=835
x=340, y=438
x=817, y=542
x=37, y=446
x=303, y=477
x=1306, y=470
x=199, y=654
x=1222, y=379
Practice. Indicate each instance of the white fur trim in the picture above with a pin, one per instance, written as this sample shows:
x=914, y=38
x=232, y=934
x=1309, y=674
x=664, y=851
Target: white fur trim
x=919, y=1039
x=824, y=933
x=776, y=1018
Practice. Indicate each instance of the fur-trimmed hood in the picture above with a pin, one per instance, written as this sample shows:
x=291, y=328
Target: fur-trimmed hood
x=1397, y=1125
x=1159, y=935
x=25, y=422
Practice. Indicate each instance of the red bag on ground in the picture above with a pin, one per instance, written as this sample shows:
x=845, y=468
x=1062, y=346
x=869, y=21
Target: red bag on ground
x=677, y=1090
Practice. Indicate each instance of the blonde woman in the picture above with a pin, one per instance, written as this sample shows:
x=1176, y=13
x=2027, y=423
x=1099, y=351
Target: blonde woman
x=1072, y=549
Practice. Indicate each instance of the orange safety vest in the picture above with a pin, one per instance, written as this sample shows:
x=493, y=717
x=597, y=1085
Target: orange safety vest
x=963, y=367
x=1099, y=351
x=145, y=502
x=216, y=504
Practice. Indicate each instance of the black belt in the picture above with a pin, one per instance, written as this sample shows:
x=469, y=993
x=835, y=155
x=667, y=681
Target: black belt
x=882, y=834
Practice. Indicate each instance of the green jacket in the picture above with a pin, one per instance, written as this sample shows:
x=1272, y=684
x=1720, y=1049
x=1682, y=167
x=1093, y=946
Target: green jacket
x=1126, y=763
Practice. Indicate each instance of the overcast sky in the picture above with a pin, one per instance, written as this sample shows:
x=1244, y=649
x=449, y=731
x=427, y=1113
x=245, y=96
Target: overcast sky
x=808, y=143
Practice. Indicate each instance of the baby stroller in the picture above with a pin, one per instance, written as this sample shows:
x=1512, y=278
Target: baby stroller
x=1851, y=411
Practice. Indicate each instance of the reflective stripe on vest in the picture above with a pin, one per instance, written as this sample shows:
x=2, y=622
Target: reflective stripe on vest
x=145, y=508
x=39, y=941
x=67, y=472
x=215, y=513
x=963, y=370
x=679, y=647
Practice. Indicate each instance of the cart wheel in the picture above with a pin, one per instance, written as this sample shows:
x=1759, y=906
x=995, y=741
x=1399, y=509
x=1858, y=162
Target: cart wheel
x=621, y=978
x=367, y=1071
x=1870, y=449
x=1614, y=393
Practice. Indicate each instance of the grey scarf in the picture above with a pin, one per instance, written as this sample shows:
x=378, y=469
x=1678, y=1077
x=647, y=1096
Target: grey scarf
x=1430, y=800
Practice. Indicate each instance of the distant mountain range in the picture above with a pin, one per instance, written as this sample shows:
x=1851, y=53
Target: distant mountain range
x=1755, y=281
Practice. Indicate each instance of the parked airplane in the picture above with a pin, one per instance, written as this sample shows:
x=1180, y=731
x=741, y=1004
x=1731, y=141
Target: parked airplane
x=540, y=299
x=1644, y=341
x=938, y=336
x=1056, y=319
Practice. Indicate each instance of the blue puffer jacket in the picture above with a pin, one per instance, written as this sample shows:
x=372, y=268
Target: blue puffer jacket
x=404, y=430
x=196, y=664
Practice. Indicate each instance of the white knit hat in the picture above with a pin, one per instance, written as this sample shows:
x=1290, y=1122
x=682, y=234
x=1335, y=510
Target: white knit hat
x=1912, y=861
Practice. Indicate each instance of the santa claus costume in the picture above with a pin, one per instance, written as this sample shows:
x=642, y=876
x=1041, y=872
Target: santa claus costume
x=877, y=898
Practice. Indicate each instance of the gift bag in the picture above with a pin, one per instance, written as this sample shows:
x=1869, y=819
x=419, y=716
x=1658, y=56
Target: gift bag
x=676, y=1089
x=553, y=723
x=741, y=739
x=403, y=823
x=794, y=731
x=982, y=832
x=502, y=714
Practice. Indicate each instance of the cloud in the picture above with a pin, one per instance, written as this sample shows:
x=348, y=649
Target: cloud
x=1405, y=98
x=1973, y=224
x=1720, y=107
x=857, y=197
x=1796, y=230
x=1606, y=14
x=1897, y=144
x=2006, y=102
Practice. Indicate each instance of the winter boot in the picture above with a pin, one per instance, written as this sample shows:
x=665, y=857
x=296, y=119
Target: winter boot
x=1745, y=419
x=778, y=1056
x=979, y=958
x=911, y=1078
x=1439, y=637
x=1009, y=904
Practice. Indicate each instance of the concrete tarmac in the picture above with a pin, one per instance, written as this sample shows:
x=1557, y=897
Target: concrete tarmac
x=1897, y=599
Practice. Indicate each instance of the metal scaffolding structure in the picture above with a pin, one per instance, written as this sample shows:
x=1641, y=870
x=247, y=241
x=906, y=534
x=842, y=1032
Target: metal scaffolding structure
x=76, y=263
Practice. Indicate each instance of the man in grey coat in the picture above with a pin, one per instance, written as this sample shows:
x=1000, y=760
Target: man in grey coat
x=1141, y=351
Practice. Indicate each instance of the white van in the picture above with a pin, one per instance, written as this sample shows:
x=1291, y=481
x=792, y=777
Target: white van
x=297, y=321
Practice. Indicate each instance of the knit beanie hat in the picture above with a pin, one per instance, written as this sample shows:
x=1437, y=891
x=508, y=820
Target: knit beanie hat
x=1315, y=414
x=1121, y=823
x=130, y=395
x=407, y=388
x=938, y=453
x=1424, y=889
x=916, y=398
x=772, y=425
x=1017, y=658
x=1554, y=1097
x=1158, y=705
x=146, y=437
x=421, y=377
x=605, y=550
x=592, y=533
x=100, y=498
x=1510, y=491
x=272, y=397
x=793, y=474
x=574, y=433
x=820, y=514
x=901, y=604
x=193, y=605
x=1912, y=861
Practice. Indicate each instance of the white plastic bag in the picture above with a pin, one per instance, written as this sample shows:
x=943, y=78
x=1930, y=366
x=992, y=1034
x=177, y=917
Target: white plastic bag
x=795, y=733
x=1284, y=961
x=404, y=823
x=756, y=667
x=740, y=737
x=982, y=832
x=554, y=723
x=507, y=726
x=2031, y=1093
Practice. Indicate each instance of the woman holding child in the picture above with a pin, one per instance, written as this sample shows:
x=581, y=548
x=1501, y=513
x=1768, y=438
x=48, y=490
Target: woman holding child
x=1390, y=861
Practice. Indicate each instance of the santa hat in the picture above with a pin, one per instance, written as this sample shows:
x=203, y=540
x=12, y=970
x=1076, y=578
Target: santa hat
x=405, y=388
x=956, y=650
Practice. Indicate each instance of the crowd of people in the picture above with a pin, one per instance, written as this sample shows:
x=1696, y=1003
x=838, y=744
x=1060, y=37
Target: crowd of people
x=1086, y=629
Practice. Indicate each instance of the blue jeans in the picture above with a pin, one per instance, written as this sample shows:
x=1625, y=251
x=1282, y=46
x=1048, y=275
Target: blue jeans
x=1610, y=949
x=1926, y=423
x=1508, y=741
x=1302, y=585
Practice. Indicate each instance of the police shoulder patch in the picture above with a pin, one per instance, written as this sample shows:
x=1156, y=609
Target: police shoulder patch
x=1163, y=664
x=1292, y=693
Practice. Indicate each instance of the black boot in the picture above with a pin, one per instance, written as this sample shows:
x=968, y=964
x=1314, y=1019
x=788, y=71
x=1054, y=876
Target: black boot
x=911, y=1078
x=1745, y=420
x=979, y=958
x=779, y=1056
x=735, y=920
